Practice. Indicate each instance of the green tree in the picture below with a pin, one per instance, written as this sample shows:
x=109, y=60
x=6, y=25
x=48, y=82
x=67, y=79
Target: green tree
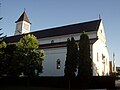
x=9, y=64
x=2, y=48
x=11, y=61
x=28, y=43
x=23, y=57
x=84, y=62
x=2, y=37
x=3, y=45
x=30, y=56
x=71, y=59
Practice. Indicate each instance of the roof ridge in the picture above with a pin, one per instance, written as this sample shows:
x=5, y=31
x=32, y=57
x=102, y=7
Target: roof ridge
x=72, y=24
x=63, y=30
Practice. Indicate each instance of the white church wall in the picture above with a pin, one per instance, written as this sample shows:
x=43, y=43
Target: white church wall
x=100, y=59
x=53, y=54
x=100, y=54
x=50, y=61
x=64, y=38
x=101, y=33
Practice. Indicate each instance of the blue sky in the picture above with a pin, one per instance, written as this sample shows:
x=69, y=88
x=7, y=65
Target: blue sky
x=53, y=13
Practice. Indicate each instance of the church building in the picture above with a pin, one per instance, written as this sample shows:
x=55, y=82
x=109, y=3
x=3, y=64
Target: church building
x=53, y=41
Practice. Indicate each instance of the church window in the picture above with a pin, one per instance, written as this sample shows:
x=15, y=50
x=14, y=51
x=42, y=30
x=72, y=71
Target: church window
x=58, y=64
x=90, y=51
x=90, y=47
x=106, y=61
x=97, y=57
x=90, y=54
x=103, y=56
x=52, y=41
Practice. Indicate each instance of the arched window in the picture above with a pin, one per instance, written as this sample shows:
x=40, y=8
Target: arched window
x=97, y=57
x=52, y=41
x=103, y=57
x=58, y=64
x=101, y=30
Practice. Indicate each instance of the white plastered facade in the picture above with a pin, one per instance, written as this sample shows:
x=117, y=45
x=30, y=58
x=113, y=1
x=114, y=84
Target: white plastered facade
x=99, y=53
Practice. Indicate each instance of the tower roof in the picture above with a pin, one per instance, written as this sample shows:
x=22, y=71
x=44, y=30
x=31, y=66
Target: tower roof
x=23, y=17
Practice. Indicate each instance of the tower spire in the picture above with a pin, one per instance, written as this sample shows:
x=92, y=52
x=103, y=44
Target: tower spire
x=114, y=63
x=24, y=9
x=23, y=17
x=99, y=16
x=22, y=24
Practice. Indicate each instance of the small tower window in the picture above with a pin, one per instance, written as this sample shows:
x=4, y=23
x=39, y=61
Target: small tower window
x=58, y=64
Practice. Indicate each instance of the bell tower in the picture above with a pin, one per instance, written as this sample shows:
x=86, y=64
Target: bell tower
x=22, y=24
